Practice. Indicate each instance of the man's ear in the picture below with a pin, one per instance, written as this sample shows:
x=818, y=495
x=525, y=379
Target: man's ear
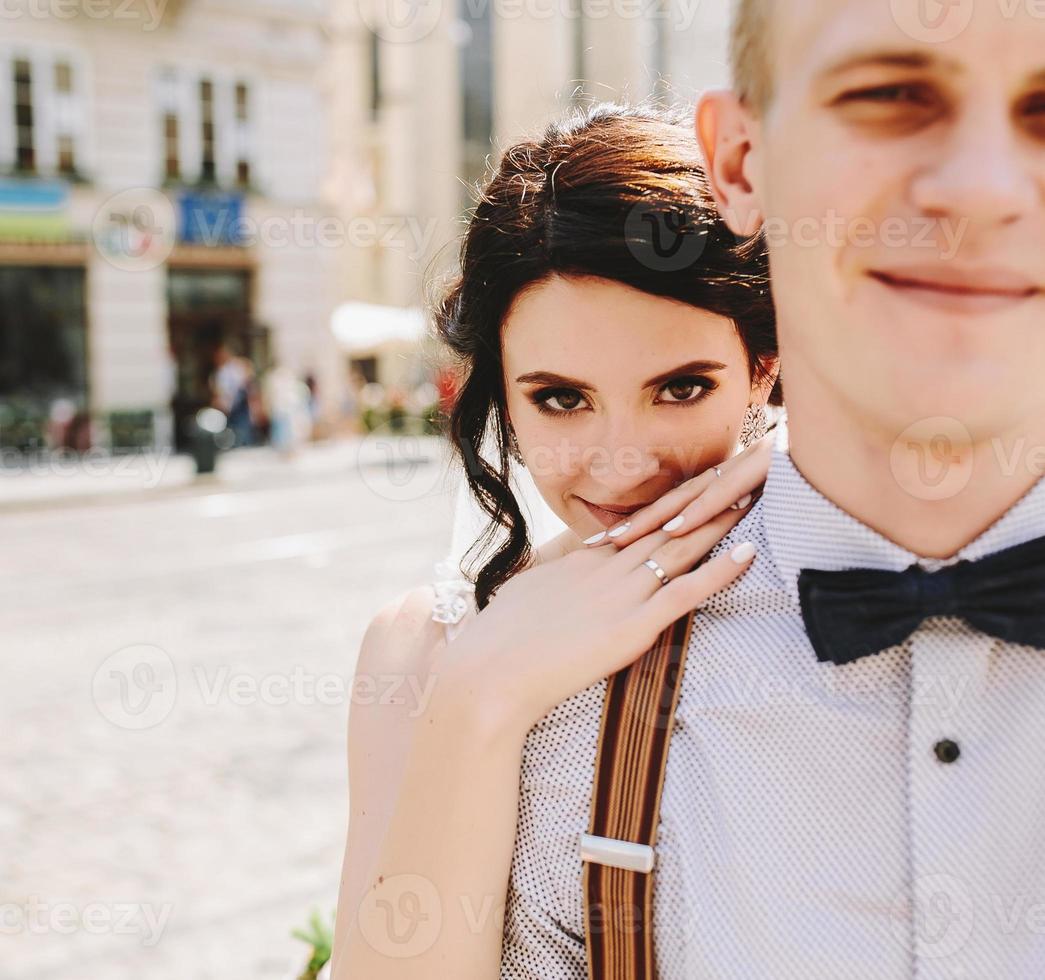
x=724, y=129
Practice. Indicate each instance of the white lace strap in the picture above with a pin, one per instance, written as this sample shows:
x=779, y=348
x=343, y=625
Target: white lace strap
x=454, y=597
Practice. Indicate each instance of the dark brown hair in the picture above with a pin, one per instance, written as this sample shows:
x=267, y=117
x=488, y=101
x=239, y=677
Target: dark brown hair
x=616, y=192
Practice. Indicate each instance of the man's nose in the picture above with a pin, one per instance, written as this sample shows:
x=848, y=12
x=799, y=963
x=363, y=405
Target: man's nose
x=982, y=173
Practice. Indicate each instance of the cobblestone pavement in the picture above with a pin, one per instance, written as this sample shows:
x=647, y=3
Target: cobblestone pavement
x=176, y=676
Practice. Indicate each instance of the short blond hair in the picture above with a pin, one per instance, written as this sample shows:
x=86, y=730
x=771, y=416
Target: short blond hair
x=750, y=54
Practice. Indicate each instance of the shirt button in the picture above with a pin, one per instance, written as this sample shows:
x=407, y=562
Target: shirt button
x=947, y=751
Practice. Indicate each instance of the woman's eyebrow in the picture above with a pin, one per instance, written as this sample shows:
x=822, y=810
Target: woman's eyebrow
x=692, y=367
x=548, y=378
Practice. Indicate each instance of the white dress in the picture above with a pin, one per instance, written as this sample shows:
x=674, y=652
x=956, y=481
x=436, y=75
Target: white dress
x=454, y=598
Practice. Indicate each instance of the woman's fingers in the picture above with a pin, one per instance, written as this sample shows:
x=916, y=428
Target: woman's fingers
x=738, y=488
x=696, y=501
x=676, y=556
x=650, y=518
x=693, y=589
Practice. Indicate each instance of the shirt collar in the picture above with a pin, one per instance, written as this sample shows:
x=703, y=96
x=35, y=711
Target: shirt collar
x=806, y=530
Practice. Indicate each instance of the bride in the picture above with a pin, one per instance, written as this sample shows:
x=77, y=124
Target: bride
x=619, y=343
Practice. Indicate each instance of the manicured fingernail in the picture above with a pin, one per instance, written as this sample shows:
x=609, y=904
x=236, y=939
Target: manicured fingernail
x=618, y=531
x=743, y=553
x=675, y=523
x=742, y=502
x=595, y=539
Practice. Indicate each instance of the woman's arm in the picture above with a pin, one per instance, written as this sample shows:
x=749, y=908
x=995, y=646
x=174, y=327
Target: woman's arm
x=434, y=779
x=433, y=797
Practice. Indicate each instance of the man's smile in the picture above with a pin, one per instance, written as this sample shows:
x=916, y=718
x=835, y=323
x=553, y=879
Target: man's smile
x=959, y=290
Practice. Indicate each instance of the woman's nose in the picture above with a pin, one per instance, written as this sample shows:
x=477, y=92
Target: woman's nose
x=622, y=463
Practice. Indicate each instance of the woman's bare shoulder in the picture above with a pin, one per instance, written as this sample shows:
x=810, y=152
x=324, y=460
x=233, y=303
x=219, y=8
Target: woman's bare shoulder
x=390, y=690
x=402, y=635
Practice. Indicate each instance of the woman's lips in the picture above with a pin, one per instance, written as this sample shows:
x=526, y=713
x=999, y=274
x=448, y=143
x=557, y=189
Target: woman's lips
x=954, y=291
x=607, y=518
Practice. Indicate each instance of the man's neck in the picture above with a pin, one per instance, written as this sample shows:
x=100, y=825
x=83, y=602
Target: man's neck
x=932, y=498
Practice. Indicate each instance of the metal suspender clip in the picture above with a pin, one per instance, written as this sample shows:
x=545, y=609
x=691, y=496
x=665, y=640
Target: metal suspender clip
x=617, y=853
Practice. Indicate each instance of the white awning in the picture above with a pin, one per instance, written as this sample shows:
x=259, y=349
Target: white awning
x=365, y=327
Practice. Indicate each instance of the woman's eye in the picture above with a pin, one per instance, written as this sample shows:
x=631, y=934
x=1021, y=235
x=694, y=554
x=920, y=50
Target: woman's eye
x=685, y=390
x=561, y=400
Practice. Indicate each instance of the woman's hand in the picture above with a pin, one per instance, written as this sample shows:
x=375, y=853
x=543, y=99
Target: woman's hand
x=736, y=484
x=559, y=627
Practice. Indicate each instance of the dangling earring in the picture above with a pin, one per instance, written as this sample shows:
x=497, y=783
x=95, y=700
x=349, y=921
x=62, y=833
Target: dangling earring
x=754, y=426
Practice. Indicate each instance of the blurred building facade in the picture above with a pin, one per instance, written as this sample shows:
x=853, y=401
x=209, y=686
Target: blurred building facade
x=427, y=90
x=175, y=174
x=162, y=168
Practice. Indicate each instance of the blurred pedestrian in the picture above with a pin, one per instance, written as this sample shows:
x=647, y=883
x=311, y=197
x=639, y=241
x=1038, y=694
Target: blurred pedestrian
x=397, y=401
x=312, y=383
x=352, y=402
x=231, y=386
x=60, y=424
x=288, y=403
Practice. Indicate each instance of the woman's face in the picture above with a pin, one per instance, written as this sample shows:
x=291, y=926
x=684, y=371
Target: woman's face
x=617, y=396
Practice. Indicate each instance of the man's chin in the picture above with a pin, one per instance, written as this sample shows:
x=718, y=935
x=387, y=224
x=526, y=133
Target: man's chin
x=957, y=402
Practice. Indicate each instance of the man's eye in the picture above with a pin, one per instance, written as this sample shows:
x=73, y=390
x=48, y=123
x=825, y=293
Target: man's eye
x=685, y=390
x=908, y=94
x=1032, y=109
x=892, y=109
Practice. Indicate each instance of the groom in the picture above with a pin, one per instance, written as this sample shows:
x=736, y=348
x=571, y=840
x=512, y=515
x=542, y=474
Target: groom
x=856, y=780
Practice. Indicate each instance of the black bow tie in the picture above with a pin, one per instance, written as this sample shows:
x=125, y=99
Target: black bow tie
x=856, y=613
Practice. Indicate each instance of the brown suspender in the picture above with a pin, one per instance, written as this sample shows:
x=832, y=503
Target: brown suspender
x=637, y=720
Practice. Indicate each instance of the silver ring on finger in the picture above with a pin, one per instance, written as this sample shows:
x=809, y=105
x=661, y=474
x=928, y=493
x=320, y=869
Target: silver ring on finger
x=657, y=570
x=718, y=470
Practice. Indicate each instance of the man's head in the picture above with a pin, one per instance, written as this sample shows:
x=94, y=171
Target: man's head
x=894, y=155
x=750, y=52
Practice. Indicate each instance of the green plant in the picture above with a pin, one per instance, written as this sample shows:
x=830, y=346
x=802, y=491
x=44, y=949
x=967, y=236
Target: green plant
x=320, y=936
x=131, y=430
x=432, y=421
x=373, y=419
x=22, y=427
